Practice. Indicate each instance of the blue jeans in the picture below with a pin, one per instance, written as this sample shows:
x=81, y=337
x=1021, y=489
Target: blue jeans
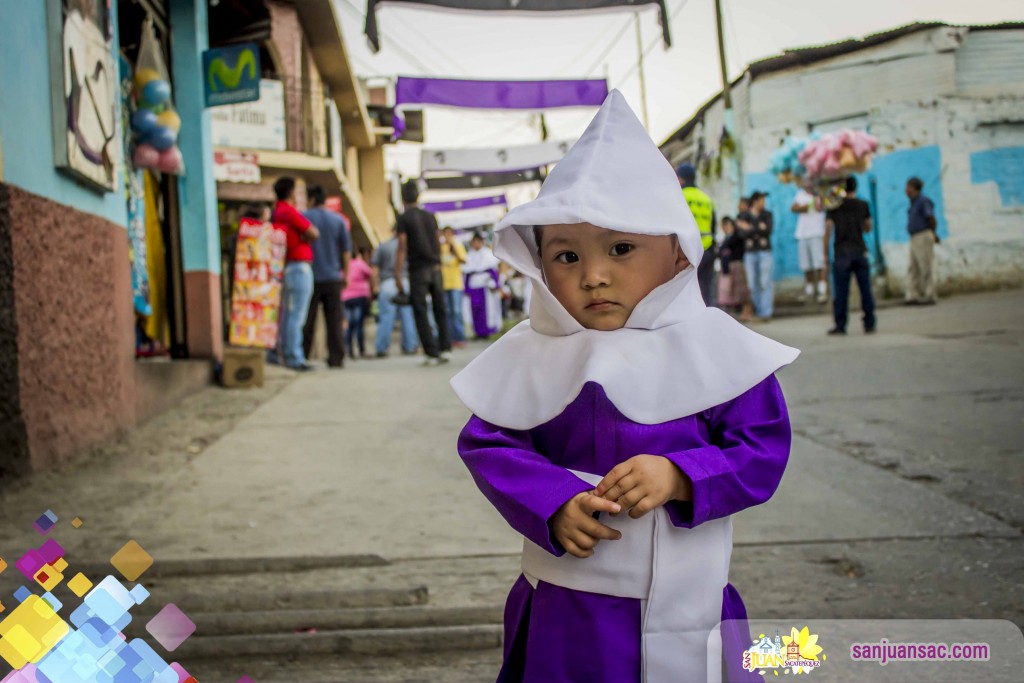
x=453, y=297
x=759, y=266
x=356, y=311
x=298, y=291
x=858, y=266
x=388, y=312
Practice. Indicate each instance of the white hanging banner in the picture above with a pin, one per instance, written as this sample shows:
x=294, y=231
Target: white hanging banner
x=471, y=218
x=491, y=159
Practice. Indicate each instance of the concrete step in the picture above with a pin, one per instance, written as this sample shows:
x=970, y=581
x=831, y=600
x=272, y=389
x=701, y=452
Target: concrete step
x=220, y=601
x=223, y=566
x=454, y=666
x=294, y=621
x=377, y=642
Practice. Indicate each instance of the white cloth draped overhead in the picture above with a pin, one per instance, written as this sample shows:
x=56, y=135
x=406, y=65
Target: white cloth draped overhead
x=489, y=159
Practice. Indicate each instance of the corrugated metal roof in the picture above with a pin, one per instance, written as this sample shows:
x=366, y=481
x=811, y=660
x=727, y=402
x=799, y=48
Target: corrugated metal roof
x=804, y=56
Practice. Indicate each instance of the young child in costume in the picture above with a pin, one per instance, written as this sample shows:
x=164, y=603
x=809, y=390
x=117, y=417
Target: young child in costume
x=620, y=426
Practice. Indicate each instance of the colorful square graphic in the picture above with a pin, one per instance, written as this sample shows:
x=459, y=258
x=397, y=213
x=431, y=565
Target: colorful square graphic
x=30, y=631
x=22, y=594
x=170, y=627
x=44, y=524
x=131, y=560
x=79, y=584
x=3, y=565
x=48, y=577
x=77, y=522
x=33, y=560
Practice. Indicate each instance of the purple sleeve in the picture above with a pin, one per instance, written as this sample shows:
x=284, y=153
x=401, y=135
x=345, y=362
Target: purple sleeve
x=495, y=277
x=524, y=486
x=752, y=437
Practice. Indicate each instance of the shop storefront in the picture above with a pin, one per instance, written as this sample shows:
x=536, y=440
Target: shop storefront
x=108, y=251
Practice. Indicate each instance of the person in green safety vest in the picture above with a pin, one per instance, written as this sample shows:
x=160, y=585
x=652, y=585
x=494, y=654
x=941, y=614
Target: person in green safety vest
x=703, y=210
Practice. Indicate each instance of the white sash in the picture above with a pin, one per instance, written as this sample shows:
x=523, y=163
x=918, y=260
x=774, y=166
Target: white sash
x=677, y=574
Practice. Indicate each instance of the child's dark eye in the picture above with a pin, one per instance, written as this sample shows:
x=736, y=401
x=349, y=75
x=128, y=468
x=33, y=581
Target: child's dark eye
x=621, y=249
x=567, y=257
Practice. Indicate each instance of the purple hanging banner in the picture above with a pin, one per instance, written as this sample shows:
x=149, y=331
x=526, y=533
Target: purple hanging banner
x=472, y=94
x=370, y=29
x=465, y=204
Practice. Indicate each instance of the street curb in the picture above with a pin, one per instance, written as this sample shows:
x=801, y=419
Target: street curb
x=367, y=642
x=285, y=622
x=241, y=565
x=241, y=601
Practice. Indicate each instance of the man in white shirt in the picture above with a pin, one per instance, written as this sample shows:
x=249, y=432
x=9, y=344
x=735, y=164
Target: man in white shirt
x=810, y=231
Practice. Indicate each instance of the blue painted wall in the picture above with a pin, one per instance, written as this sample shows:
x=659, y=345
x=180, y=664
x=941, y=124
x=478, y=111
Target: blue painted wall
x=883, y=187
x=1005, y=168
x=200, y=232
x=25, y=127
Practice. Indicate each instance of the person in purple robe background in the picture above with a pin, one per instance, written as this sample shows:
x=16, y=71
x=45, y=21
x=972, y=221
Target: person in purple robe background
x=621, y=426
x=482, y=298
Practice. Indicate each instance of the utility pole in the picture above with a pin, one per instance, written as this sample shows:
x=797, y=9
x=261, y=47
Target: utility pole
x=640, y=63
x=736, y=164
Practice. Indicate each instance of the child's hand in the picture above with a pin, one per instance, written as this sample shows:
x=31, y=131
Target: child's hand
x=643, y=483
x=576, y=529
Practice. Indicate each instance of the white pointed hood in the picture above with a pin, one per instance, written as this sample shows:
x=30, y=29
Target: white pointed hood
x=673, y=358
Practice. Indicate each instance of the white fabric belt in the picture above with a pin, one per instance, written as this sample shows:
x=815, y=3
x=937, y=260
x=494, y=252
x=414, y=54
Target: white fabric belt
x=677, y=574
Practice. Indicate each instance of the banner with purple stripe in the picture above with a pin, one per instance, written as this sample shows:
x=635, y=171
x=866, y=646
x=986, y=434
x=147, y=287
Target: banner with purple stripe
x=478, y=94
x=465, y=204
x=370, y=28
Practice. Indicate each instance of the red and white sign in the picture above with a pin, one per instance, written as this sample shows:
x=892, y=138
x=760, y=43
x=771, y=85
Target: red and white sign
x=236, y=167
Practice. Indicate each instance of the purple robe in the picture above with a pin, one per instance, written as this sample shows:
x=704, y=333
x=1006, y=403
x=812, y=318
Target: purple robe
x=484, y=323
x=734, y=453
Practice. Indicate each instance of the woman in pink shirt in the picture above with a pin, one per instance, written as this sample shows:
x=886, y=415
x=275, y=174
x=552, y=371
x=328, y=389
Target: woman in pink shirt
x=356, y=297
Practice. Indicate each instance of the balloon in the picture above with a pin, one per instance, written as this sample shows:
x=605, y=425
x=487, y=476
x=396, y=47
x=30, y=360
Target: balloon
x=156, y=91
x=170, y=160
x=146, y=156
x=161, y=137
x=143, y=121
x=170, y=119
x=144, y=76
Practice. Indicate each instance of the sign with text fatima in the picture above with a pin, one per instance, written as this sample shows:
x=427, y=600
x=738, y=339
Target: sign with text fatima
x=232, y=74
x=252, y=125
x=256, y=291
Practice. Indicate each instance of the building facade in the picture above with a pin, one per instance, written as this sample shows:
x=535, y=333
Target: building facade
x=946, y=104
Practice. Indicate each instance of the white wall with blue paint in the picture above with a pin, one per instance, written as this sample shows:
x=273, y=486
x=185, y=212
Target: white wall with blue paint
x=26, y=139
x=947, y=106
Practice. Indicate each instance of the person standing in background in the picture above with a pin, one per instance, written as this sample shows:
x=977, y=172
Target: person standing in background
x=383, y=263
x=419, y=242
x=810, y=229
x=453, y=256
x=298, y=274
x=356, y=295
x=482, y=288
x=849, y=222
x=330, y=267
x=758, y=259
x=923, y=238
x=703, y=210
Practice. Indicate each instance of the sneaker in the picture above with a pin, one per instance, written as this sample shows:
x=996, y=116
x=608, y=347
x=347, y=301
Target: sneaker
x=446, y=355
x=869, y=330
x=433, y=361
x=382, y=354
x=808, y=292
x=305, y=367
x=836, y=332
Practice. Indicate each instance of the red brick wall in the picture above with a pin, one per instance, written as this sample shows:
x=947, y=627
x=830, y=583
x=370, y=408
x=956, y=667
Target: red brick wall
x=286, y=35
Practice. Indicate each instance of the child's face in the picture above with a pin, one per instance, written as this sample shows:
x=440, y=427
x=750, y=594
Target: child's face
x=727, y=227
x=600, y=275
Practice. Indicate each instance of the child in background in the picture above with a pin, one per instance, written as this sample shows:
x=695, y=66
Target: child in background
x=356, y=297
x=731, y=254
x=619, y=428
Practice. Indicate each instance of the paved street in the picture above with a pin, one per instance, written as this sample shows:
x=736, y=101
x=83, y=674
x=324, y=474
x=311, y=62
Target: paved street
x=904, y=496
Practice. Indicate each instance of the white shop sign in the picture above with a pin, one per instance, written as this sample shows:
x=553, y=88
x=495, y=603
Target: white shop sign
x=252, y=125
